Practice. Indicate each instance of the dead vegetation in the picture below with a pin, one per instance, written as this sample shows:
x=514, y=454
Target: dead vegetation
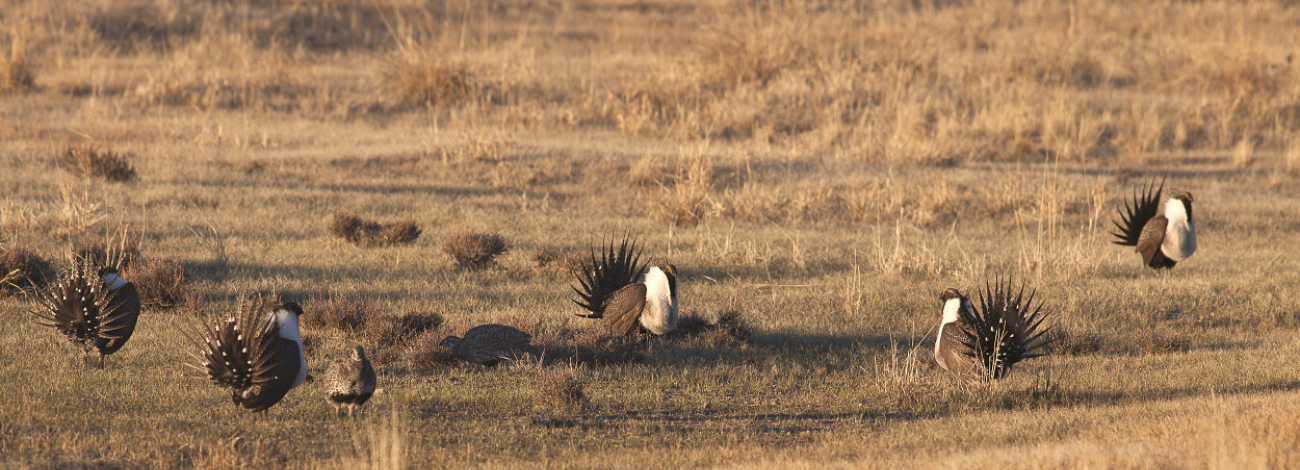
x=473, y=250
x=89, y=161
x=564, y=259
x=16, y=75
x=1074, y=343
x=1161, y=342
x=120, y=250
x=22, y=269
x=367, y=233
x=561, y=388
x=161, y=282
x=728, y=328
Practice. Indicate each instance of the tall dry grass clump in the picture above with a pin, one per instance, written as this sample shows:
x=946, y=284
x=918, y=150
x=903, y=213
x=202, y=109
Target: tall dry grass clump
x=473, y=250
x=22, y=269
x=683, y=200
x=16, y=75
x=120, y=250
x=161, y=282
x=561, y=388
x=433, y=83
x=89, y=161
x=368, y=233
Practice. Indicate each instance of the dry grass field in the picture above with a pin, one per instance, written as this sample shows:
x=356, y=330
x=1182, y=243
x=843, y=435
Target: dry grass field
x=821, y=170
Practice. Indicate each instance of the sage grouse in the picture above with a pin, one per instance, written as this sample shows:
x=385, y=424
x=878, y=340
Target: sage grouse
x=350, y=381
x=1163, y=238
x=489, y=344
x=617, y=288
x=985, y=342
x=96, y=310
x=256, y=353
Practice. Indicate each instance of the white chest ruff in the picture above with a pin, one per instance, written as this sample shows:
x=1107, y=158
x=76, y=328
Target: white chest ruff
x=1180, y=234
x=951, y=314
x=660, y=314
x=288, y=322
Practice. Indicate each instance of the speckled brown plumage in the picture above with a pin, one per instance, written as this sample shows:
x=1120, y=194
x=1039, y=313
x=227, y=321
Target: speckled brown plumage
x=350, y=381
x=489, y=344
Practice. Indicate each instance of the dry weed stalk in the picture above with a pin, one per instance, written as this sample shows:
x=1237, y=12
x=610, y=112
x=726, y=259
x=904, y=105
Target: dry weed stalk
x=88, y=161
x=362, y=232
x=473, y=250
x=120, y=250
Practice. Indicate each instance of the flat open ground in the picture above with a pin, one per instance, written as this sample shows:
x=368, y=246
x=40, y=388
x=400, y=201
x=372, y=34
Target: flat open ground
x=825, y=170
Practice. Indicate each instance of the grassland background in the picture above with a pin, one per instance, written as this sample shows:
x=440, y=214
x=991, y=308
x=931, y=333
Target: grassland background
x=824, y=168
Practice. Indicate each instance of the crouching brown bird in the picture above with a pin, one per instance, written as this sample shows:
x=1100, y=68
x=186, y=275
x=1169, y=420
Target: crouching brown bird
x=256, y=353
x=350, y=382
x=616, y=287
x=97, y=310
x=985, y=342
x=1163, y=237
x=489, y=344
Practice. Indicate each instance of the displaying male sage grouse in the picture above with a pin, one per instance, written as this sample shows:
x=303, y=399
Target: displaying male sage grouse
x=617, y=288
x=256, y=353
x=489, y=344
x=1163, y=238
x=96, y=310
x=350, y=381
x=985, y=342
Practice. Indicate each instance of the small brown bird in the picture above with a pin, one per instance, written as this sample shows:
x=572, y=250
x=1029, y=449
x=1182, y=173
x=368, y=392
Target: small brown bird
x=99, y=312
x=489, y=344
x=627, y=294
x=1164, y=238
x=985, y=342
x=256, y=353
x=349, y=382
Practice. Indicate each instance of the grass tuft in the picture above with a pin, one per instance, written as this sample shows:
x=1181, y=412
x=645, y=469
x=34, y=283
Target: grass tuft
x=568, y=259
x=362, y=232
x=22, y=269
x=1073, y=343
x=433, y=84
x=120, y=251
x=88, y=161
x=729, y=328
x=1154, y=343
x=473, y=250
x=16, y=74
x=162, y=282
x=425, y=352
x=388, y=330
x=593, y=346
x=345, y=313
x=561, y=388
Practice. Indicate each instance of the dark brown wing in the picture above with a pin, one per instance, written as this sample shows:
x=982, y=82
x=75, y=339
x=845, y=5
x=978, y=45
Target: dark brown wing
x=1153, y=235
x=1134, y=216
x=623, y=310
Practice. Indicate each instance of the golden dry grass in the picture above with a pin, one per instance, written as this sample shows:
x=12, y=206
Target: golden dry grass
x=824, y=167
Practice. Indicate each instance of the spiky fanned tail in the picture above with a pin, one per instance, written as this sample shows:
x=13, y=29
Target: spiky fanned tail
x=1134, y=216
x=606, y=274
x=1004, y=329
x=81, y=307
x=236, y=353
